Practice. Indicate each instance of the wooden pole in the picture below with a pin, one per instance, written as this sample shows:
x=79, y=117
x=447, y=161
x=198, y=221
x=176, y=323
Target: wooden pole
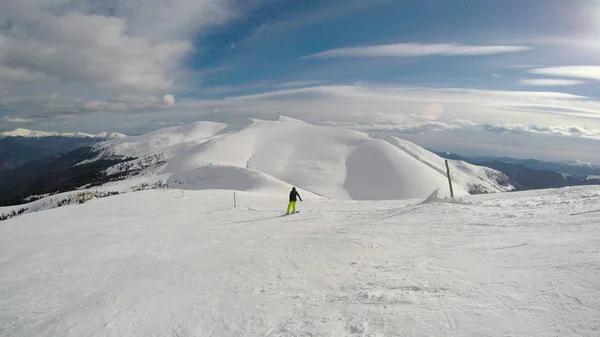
x=449, y=179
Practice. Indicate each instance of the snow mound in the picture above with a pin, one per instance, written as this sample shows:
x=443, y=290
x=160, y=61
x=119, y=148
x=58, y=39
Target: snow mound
x=332, y=162
x=433, y=197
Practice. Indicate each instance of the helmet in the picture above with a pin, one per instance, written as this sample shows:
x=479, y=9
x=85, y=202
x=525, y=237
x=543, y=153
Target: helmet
x=293, y=188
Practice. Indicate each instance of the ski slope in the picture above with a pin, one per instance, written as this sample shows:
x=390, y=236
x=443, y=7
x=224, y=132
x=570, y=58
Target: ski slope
x=185, y=263
x=262, y=156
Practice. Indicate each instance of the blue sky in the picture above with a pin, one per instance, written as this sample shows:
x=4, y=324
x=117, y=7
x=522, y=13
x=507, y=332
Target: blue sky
x=472, y=76
x=267, y=44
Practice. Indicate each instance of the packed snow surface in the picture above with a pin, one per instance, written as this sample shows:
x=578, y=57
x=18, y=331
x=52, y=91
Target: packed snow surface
x=185, y=263
x=273, y=155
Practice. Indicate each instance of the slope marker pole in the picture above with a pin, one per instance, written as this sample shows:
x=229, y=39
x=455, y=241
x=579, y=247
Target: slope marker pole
x=234, y=201
x=449, y=179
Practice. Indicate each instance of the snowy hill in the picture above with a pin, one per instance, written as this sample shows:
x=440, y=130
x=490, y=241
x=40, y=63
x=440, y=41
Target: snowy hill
x=173, y=263
x=272, y=155
x=20, y=132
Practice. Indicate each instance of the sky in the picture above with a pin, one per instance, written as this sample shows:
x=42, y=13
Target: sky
x=477, y=77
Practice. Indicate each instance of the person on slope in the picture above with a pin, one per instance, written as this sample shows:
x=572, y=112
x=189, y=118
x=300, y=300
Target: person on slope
x=293, y=195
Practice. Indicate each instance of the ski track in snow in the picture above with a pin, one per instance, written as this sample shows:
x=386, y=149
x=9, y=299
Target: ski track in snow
x=153, y=263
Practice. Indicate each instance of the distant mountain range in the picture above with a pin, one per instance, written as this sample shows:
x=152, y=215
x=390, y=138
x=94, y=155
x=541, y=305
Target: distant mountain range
x=26, y=133
x=23, y=146
x=260, y=156
x=527, y=174
x=232, y=156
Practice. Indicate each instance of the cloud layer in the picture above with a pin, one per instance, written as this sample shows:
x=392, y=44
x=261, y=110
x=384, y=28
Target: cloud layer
x=12, y=119
x=427, y=115
x=85, y=48
x=464, y=125
x=416, y=49
x=549, y=82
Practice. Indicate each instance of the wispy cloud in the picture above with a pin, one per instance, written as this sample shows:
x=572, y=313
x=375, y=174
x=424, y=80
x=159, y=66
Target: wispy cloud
x=214, y=70
x=562, y=41
x=298, y=84
x=12, y=119
x=417, y=49
x=320, y=12
x=549, y=82
x=591, y=72
x=228, y=89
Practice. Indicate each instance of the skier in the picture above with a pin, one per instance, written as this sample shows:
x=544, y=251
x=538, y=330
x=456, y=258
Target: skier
x=292, y=204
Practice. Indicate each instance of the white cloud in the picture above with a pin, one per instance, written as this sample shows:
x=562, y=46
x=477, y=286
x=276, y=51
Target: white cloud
x=549, y=82
x=169, y=100
x=12, y=119
x=589, y=72
x=89, y=48
x=417, y=49
x=561, y=130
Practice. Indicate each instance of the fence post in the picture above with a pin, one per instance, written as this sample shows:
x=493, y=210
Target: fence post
x=449, y=179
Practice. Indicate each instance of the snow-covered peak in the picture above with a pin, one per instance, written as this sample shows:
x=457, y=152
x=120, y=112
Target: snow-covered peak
x=26, y=133
x=20, y=132
x=269, y=156
x=290, y=120
x=580, y=163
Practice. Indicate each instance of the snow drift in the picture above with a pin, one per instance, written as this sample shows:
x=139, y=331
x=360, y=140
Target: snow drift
x=272, y=155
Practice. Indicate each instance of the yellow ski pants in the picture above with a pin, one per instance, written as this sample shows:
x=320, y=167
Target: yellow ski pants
x=292, y=205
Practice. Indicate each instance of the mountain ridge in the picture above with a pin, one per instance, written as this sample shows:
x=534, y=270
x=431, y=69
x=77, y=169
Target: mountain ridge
x=27, y=133
x=267, y=157
x=330, y=161
x=526, y=174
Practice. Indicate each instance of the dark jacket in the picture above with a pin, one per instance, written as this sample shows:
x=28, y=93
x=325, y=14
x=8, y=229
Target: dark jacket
x=293, y=195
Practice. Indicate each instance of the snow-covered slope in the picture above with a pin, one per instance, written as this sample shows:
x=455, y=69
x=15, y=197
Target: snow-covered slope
x=163, y=263
x=20, y=132
x=272, y=155
x=476, y=179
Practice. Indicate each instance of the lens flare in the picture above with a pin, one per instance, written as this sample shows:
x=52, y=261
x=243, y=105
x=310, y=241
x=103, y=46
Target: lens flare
x=433, y=111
